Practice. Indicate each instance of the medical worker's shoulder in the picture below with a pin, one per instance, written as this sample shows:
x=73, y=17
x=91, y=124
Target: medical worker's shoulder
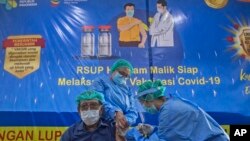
x=165, y=109
x=175, y=105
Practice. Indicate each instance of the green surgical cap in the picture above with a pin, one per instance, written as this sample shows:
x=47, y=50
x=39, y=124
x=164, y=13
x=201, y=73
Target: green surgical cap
x=149, y=90
x=90, y=95
x=120, y=63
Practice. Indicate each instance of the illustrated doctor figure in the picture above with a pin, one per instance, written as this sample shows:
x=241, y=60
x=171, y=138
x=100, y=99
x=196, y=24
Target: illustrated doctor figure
x=161, y=29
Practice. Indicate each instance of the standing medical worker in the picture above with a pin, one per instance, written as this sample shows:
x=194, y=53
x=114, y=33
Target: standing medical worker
x=161, y=30
x=179, y=119
x=119, y=95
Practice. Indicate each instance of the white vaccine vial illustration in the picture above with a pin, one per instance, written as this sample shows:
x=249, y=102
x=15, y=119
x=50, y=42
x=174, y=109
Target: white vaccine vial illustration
x=104, y=41
x=87, y=41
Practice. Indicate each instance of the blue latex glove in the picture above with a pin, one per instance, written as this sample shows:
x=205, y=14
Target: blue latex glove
x=145, y=129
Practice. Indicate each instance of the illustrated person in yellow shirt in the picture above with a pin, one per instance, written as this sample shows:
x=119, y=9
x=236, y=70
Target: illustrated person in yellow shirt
x=132, y=33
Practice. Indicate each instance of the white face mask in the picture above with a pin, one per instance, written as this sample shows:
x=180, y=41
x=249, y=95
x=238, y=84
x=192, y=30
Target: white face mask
x=119, y=79
x=160, y=10
x=90, y=117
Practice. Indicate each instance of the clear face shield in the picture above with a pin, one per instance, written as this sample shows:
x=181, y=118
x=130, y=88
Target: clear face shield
x=146, y=99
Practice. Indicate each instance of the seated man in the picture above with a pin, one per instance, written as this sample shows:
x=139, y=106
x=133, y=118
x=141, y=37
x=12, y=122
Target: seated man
x=92, y=127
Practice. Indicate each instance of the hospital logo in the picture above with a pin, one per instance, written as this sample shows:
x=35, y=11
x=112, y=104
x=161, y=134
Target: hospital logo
x=216, y=4
x=245, y=41
x=54, y=3
x=9, y=4
x=239, y=38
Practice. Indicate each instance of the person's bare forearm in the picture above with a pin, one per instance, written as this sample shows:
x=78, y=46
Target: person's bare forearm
x=144, y=35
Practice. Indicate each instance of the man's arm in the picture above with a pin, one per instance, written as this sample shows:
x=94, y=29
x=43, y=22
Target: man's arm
x=122, y=27
x=144, y=36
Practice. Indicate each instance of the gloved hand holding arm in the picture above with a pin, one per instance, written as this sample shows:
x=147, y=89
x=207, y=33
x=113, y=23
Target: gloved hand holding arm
x=145, y=129
x=110, y=111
